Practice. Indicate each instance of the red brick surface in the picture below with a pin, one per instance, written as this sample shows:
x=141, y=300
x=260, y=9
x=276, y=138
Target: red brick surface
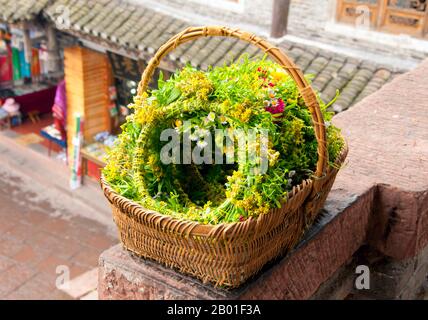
x=33, y=243
x=388, y=148
x=388, y=136
x=380, y=197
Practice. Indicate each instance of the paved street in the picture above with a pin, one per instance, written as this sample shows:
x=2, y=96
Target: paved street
x=36, y=237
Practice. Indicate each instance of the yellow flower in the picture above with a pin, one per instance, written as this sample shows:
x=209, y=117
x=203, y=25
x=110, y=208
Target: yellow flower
x=279, y=75
x=262, y=210
x=152, y=160
x=242, y=112
x=195, y=83
x=273, y=157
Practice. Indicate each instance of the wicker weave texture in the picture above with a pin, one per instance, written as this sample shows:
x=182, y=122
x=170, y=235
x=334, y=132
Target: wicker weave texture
x=227, y=254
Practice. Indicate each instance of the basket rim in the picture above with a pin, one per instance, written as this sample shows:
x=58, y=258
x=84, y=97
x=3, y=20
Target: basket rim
x=200, y=229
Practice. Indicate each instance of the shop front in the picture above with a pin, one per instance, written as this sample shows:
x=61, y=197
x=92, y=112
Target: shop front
x=119, y=80
x=76, y=112
x=27, y=82
x=123, y=74
x=24, y=70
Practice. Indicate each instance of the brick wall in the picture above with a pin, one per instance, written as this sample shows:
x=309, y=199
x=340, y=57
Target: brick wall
x=309, y=15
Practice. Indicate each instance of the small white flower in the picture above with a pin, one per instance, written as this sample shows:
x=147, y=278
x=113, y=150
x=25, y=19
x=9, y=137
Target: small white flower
x=202, y=144
x=194, y=137
x=202, y=133
x=211, y=116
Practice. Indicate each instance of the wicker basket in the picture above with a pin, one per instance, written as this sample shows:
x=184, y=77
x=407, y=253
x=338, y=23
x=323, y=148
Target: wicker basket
x=227, y=254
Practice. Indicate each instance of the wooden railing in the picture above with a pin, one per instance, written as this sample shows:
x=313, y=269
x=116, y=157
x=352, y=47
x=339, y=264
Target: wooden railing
x=394, y=16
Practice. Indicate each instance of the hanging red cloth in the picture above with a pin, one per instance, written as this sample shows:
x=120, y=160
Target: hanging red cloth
x=35, y=62
x=6, y=72
x=59, y=110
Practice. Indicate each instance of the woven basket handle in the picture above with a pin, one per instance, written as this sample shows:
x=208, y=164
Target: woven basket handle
x=276, y=54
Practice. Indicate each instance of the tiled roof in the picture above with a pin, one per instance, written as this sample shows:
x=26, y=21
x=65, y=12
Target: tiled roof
x=21, y=10
x=354, y=78
x=136, y=28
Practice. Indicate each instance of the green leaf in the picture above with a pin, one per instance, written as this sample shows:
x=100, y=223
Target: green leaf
x=173, y=95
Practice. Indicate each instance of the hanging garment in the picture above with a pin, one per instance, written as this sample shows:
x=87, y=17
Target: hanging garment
x=43, y=58
x=25, y=66
x=6, y=73
x=35, y=62
x=16, y=64
x=59, y=109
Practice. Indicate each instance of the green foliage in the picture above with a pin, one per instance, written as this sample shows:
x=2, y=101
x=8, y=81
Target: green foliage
x=249, y=94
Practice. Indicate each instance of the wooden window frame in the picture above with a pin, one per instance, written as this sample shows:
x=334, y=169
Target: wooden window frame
x=386, y=18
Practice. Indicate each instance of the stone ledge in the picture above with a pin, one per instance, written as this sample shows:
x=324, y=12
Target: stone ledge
x=379, y=199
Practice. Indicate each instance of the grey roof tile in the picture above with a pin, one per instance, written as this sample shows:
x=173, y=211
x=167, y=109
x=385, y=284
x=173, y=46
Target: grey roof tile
x=234, y=52
x=151, y=23
x=13, y=11
x=166, y=34
x=352, y=89
x=285, y=46
x=305, y=59
x=179, y=51
x=124, y=33
x=295, y=53
x=253, y=51
x=197, y=58
x=104, y=18
x=221, y=51
x=82, y=21
x=190, y=48
x=339, y=81
x=317, y=65
x=123, y=14
x=379, y=78
x=327, y=74
x=130, y=34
